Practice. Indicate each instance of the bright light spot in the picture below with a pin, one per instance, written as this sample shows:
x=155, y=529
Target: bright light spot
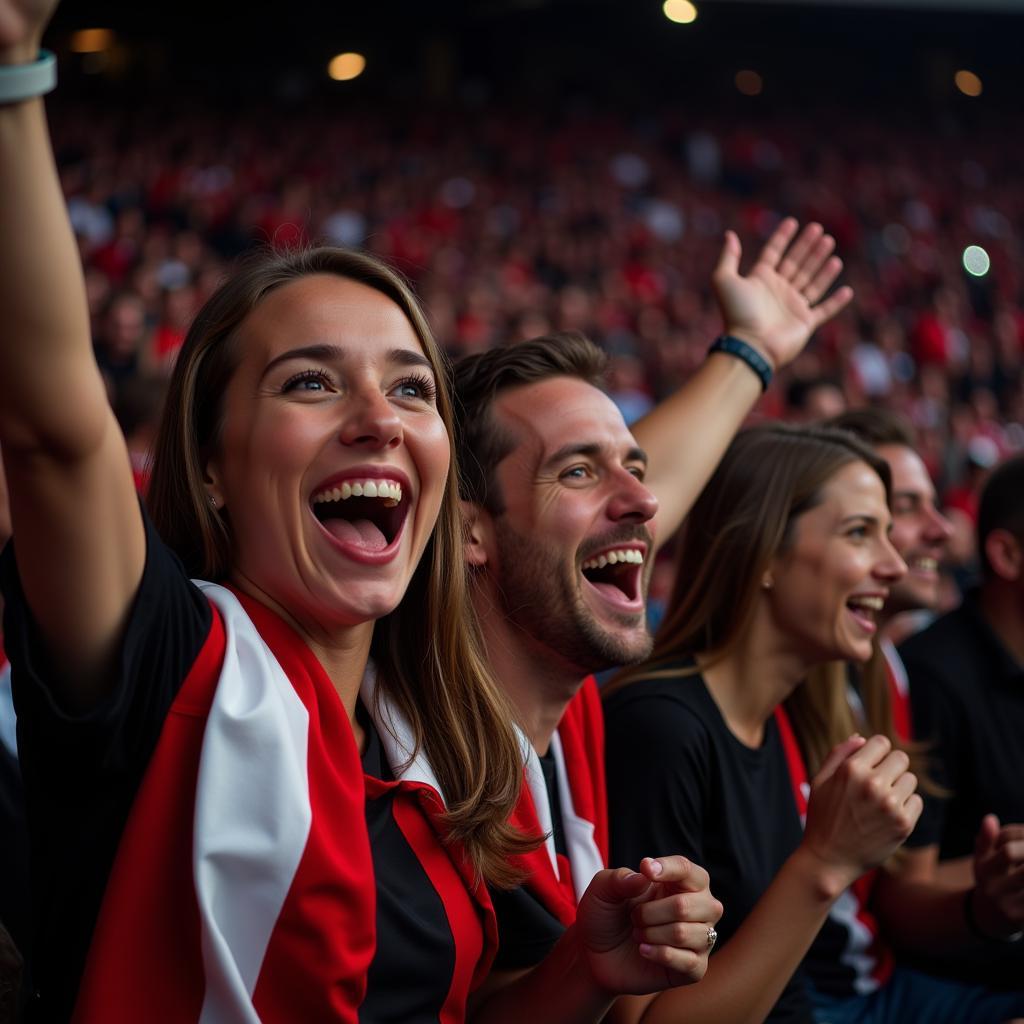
x=968, y=83
x=682, y=12
x=750, y=83
x=346, y=66
x=92, y=40
x=976, y=261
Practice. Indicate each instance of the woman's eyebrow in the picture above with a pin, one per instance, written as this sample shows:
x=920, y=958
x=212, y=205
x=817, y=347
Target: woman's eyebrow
x=334, y=353
x=410, y=357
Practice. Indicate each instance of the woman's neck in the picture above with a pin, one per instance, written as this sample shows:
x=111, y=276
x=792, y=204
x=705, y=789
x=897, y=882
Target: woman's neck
x=342, y=651
x=751, y=680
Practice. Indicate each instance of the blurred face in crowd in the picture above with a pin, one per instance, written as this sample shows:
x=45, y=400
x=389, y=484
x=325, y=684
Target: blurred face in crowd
x=125, y=326
x=332, y=459
x=571, y=553
x=919, y=531
x=826, y=590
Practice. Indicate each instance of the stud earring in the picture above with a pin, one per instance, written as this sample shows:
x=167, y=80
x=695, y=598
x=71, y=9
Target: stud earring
x=213, y=503
x=767, y=582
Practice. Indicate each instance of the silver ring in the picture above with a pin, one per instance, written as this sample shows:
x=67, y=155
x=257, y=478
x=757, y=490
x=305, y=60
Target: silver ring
x=712, y=938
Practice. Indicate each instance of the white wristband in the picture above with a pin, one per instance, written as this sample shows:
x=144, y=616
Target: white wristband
x=24, y=81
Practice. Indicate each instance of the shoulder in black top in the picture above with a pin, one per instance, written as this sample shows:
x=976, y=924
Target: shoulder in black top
x=967, y=698
x=81, y=772
x=680, y=782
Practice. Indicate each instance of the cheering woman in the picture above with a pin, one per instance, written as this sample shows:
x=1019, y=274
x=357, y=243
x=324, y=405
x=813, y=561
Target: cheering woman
x=783, y=563
x=276, y=795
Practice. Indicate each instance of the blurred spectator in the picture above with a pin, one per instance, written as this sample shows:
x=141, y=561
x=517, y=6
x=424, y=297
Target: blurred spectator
x=814, y=400
x=123, y=338
x=138, y=406
x=967, y=687
x=517, y=222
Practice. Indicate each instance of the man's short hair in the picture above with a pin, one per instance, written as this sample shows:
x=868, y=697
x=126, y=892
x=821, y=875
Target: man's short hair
x=875, y=427
x=1001, y=506
x=480, y=379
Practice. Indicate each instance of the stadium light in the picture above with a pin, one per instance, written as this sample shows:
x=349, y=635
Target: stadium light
x=968, y=83
x=92, y=40
x=976, y=261
x=346, y=66
x=748, y=82
x=682, y=12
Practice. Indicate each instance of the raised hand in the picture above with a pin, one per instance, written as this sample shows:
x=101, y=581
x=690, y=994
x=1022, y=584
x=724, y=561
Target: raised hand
x=646, y=931
x=863, y=805
x=998, y=898
x=21, y=27
x=777, y=306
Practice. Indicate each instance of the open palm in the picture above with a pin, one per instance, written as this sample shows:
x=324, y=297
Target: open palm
x=777, y=306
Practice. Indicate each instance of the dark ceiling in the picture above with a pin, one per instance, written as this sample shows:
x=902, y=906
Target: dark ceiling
x=540, y=48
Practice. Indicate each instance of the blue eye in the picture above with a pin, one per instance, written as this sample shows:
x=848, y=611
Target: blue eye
x=422, y=388
x=308, y=380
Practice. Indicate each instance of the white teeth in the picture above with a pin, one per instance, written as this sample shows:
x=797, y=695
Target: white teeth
x=614, y=557
x=874, y=603
x=389, y=490
x=927, y=564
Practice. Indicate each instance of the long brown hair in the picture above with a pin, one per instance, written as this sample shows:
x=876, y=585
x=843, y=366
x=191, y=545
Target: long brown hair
x=428, y=650
x=744, y=517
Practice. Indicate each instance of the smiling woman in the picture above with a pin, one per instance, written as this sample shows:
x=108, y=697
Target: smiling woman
x=278, y=790
x=784, y=560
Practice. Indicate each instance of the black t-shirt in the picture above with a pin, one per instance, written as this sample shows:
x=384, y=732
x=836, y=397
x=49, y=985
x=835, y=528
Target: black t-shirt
x=967, y=697
x=680, y=782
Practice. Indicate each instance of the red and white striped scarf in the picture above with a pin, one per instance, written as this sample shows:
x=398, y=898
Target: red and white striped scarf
x=243, y=887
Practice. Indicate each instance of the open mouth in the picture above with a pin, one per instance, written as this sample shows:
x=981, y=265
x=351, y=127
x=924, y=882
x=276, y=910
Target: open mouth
x=924, y=566
x=366, y=514
x=616, y=575
x=865, y=610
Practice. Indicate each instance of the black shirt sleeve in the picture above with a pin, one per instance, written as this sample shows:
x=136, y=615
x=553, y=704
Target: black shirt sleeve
x=527, y=930
x=81, y=771
x=936, y=727
x=657, y=757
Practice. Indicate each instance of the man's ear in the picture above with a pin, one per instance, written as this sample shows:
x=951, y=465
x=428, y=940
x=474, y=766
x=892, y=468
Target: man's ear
x=479, y=534
x=1005, y=554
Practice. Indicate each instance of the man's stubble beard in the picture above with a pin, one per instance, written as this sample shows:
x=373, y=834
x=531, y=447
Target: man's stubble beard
x=542, y=599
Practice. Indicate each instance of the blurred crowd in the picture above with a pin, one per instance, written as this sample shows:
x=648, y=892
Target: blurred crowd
x=513, y=223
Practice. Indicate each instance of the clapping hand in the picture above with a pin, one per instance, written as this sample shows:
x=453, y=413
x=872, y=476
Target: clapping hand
x=863, y=805
x=998, y=899
x=646, y=931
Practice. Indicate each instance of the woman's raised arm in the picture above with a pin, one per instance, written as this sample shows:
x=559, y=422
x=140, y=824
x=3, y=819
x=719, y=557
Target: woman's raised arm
x=79, y=538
